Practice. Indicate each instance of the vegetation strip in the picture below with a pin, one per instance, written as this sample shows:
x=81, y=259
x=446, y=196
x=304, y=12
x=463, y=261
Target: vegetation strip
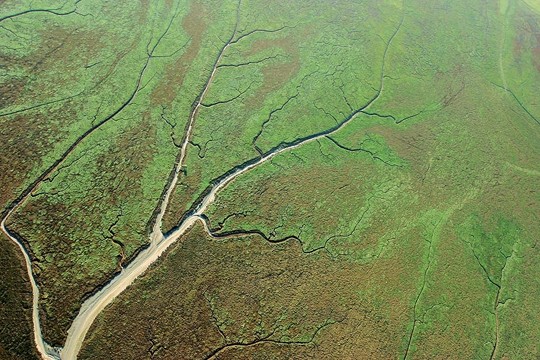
x=158, y=242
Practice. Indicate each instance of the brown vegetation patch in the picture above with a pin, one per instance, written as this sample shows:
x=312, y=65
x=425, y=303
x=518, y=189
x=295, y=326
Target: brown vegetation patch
x=275, y=75
x=194, y=23
x=412, y=144
x=28, y=136
x=527, y=37
x=57, y=61
x=66, y=228
x=10, y=91
x=144, y=9
x=311, y=194
x=54, y=261
x=447, y=147
x=190, y=307
x=16, y=337
x=66, y=48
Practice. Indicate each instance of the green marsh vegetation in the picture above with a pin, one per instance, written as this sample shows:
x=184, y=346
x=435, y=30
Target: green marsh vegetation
x=409, y=233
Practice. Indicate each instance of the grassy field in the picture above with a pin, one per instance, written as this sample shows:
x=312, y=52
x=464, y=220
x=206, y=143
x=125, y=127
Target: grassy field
x=410, y=233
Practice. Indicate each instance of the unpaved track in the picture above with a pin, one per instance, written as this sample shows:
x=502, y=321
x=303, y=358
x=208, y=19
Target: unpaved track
x=159, y=243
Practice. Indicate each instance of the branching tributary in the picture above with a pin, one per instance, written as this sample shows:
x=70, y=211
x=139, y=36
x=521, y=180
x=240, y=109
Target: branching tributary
x=159, y=242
